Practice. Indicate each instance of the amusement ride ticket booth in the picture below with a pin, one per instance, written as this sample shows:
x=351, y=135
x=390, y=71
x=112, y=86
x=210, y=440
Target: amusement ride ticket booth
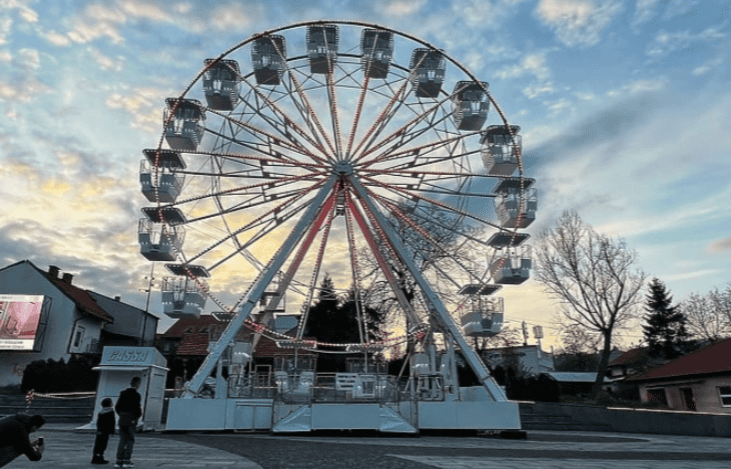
x=117, y=368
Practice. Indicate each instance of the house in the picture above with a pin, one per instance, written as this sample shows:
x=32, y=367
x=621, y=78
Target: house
x=699, y=381
x=529, y=358
x=44, y=315
x=574, y=383
x=187, y=342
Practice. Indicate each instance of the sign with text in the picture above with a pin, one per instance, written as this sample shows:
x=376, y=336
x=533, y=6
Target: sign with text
x=20, y=316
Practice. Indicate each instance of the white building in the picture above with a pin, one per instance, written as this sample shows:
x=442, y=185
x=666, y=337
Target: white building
x=529, y=358
x=71, y=321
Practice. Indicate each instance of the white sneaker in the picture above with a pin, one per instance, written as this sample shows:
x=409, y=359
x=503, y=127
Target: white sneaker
x=128, y=465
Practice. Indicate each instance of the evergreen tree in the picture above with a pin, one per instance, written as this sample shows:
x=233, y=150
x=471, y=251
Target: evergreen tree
x=665, y=331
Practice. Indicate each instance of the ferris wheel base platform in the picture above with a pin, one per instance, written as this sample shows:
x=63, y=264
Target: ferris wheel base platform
x=193, y=414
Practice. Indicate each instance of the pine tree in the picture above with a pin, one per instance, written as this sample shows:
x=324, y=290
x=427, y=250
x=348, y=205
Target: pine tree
x=665, y=331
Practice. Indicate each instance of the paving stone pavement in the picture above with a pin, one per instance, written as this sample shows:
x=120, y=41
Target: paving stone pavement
x=68, y=449
x=550, y=450
x=545, y=463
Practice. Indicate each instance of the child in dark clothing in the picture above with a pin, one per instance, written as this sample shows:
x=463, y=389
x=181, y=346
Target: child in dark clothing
x=105, y=423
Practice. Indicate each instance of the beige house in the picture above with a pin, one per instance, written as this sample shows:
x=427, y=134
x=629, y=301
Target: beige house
x=700, y=381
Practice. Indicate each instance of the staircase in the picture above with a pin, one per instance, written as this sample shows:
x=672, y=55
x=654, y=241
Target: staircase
x=551, y=416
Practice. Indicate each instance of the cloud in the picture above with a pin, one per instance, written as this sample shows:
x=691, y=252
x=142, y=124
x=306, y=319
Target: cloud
x=400, y=7
x=6, y=25
x=534, y=91
x=89, y=31
x=558, y=106
x=721, y=245
x=676, y=8
x=145, y=10
x=144, y=106
x=105, y=62
x=644, y=11
x=57, y=39
x=666, y=43
x=708, y=66
x=22, y=91
x=640, y=87
x=531, y=64
x=694, y=274
x=475, y=13
x=577, y=22
x=27, y=59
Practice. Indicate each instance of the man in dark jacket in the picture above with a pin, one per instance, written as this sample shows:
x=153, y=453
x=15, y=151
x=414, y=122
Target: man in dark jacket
x=15, y=433
x=129, y=410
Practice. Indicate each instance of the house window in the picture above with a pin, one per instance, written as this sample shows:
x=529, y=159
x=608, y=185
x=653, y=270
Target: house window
x=657, y=395
x=79, y=336
x=724, y=393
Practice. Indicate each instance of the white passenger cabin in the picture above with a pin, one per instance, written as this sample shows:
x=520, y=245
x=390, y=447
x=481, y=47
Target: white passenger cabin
x=512, y=266
x=377, y=49
x=500, y=149
x=470, y=105
x=183, y=297
x=159, y=242
x=221, y=84
x=484, y=317
x=427, y=68
x=322, y=47
x=268, y=54
x=159, y=181
x=183, y=120
x=508, y=202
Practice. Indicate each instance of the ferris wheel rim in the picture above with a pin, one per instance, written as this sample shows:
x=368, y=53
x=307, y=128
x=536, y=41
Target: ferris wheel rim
x=242, y=44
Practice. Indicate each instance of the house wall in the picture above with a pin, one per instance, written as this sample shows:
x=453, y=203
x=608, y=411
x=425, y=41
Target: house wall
x=705, y=393
x=63, y=317
x=128, y=320
x=531, y=358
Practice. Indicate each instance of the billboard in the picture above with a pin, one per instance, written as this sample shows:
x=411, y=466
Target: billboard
x=20, y=317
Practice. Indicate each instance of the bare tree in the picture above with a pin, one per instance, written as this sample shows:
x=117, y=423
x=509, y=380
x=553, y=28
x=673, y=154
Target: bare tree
x=721, y=301
x=592, y=275
x=707, y=315
x=578, y=340
x=507, y=337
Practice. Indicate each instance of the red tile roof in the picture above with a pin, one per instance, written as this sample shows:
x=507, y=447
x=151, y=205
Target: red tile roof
x=194, y=338
x=83, y=300
x=194, y=344
x=715, y=358
x=630, y=357
x=190, y=325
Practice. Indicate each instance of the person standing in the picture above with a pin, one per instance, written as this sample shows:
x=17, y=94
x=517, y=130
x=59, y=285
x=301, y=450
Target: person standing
x=104, y=427
x=15, y=433
x=129, y=409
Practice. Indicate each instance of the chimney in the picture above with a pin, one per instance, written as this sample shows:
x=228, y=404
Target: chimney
x=67, y=277
x=53, y=271
x=117, y=298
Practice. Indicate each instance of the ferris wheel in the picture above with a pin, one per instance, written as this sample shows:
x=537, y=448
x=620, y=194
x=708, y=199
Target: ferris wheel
x=320, y=147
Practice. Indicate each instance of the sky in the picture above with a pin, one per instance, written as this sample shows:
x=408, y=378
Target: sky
x=624, y=106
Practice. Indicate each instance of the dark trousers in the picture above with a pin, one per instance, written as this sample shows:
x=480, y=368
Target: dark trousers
x=100, y=443
x=7, y=454
x=126, y=443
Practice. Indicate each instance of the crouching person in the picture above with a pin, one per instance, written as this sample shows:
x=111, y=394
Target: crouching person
x=15, y=433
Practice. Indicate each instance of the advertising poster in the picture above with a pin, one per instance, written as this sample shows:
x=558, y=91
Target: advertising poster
x=19, y=319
